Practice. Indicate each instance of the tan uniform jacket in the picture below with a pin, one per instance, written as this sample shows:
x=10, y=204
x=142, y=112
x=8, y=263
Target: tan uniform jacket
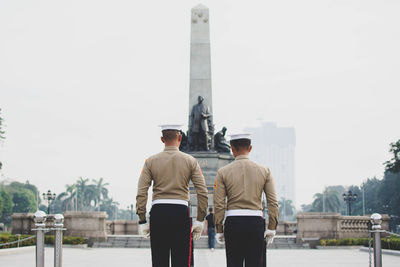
x=243, y=182
x=170, y=171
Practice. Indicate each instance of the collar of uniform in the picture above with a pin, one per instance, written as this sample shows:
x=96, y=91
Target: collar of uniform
x=171, y=148
x=242, y=157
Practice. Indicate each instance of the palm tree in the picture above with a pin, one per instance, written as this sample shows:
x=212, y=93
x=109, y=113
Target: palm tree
x=110, y=207
x=101, y=191
x=82, y=187
x=328, y=201
x=286, y=208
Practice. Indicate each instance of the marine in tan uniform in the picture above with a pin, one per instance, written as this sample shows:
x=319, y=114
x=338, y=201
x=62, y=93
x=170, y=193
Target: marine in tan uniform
x=242, y=183
x=170, y=228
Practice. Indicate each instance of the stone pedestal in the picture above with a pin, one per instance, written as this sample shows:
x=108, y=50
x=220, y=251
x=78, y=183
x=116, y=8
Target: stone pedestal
x=122, y=227
x=88, y=224
x=210, y=162
x=23, y=223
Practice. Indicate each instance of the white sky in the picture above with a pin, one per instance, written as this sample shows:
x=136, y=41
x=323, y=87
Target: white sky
x=84, y=84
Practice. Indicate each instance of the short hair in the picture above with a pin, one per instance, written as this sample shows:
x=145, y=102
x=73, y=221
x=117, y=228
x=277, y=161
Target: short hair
x=170, y=135
x=210, y=209
x=240, y=144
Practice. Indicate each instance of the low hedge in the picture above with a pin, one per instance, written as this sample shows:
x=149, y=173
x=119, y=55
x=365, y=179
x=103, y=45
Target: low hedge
x=67, y=240
x=8, y=237
x=390, y=242
x=49, y=239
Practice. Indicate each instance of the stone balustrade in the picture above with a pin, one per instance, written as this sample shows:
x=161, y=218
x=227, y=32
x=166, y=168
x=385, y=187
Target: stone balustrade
x=318, y=225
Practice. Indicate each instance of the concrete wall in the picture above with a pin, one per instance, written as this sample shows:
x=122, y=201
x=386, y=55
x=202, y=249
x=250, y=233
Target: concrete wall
x=88, y=224
x=81, y=223
x=23, y=223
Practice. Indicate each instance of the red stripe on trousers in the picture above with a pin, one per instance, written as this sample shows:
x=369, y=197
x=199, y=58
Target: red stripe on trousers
x=190, y=240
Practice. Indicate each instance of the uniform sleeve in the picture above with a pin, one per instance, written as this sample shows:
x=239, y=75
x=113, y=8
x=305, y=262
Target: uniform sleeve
x=143, y=187
x=219, y=203
x=272, y=202
x=201, y=191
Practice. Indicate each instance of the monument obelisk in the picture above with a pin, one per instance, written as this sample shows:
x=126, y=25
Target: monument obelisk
x=200, y=57
x=200, y=141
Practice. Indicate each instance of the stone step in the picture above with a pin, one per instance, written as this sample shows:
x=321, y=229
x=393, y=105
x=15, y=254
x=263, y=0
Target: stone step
x=136, y=241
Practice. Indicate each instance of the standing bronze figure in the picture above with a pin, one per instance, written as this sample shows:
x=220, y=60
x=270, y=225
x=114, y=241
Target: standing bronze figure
x=200, y=126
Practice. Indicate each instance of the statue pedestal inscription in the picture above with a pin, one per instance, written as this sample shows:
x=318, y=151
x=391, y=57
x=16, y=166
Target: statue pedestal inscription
x=210, y=162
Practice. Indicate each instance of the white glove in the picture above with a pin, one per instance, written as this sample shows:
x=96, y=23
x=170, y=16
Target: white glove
x=269, y=236
x=144, y=230
x=197, y=228
x=220, y=238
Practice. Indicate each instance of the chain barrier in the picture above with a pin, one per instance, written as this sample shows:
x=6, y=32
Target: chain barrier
x=16, y=241
x=391, y=233
x=20, y=240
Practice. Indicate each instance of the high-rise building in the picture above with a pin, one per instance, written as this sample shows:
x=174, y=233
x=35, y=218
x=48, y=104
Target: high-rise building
x=274, y=147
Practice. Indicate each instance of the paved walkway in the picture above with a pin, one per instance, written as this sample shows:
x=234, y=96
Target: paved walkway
x=117, y=257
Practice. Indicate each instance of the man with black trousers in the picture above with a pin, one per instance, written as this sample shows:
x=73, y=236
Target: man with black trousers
x=170, y=228
x=242, y=183
x=211, y=229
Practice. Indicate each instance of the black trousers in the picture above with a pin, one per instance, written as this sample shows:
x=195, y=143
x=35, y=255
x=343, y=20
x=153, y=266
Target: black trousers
x=244, y=241
x=170, y=227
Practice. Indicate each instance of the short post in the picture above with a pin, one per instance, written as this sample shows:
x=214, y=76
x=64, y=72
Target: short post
x=58, y=239
x=19, y=238
x=376, y=220
x=40, y=218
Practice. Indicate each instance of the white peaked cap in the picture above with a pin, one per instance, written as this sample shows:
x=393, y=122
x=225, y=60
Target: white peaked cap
x=240, y=136
x=177, y=127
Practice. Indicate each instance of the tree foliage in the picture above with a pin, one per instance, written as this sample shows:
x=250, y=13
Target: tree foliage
x=393, y=165
x=86, y=195
x=328, y=200
x=286, y=209
x=374, y=195
x=16, y=197
x=6, y=206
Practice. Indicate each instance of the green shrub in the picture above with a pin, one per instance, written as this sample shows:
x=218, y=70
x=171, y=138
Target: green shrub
x=67, y=240
x=391, y=242
x=7, y=237
x=49, y=239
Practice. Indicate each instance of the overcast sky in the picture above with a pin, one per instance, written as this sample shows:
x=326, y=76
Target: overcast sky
x=84, y=84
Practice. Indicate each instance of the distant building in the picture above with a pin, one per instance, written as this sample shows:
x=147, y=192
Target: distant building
x=274, y=147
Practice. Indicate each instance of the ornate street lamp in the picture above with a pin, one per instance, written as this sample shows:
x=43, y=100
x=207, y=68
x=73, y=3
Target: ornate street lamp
x=348, y=198
x=131, y=210
x=50, y=198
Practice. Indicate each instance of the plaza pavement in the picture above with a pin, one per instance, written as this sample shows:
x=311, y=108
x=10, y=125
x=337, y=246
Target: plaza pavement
x=121, y=257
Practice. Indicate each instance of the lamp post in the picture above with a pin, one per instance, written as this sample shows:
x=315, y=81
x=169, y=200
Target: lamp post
x=131, y=210
x=50, y=198
x=386, y=208
x=348, y=198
